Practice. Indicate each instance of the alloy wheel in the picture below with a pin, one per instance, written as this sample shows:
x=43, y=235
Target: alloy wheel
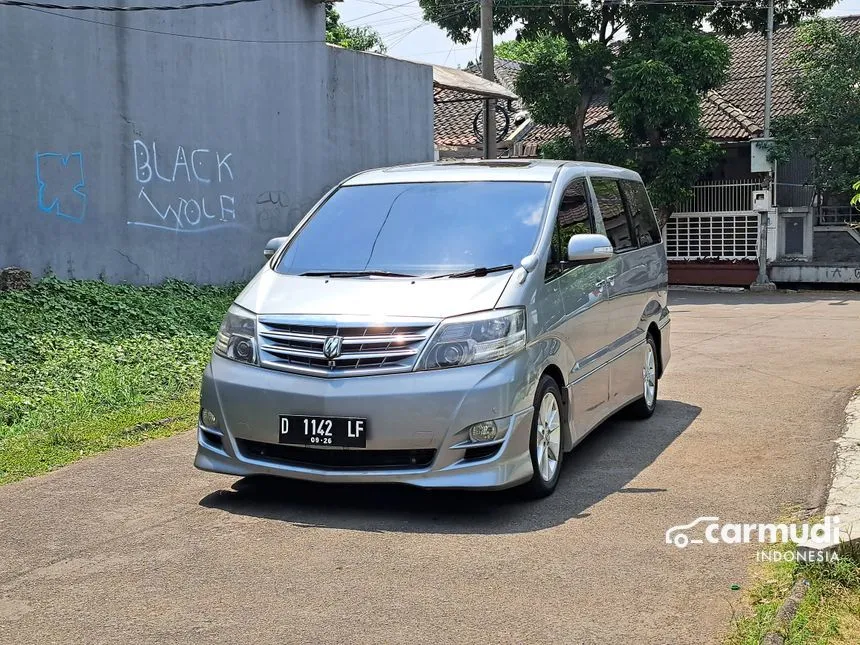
x=548, y=445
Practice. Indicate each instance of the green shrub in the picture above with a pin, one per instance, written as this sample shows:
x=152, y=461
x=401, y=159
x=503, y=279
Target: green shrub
x=74, y=350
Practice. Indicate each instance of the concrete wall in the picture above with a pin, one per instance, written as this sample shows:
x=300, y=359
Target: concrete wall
x=150, y=145
x=836, y=245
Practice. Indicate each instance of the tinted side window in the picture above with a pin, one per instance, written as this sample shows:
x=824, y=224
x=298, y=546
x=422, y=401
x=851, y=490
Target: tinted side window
x=645, y=228
x=614, y=214
x=574, y=217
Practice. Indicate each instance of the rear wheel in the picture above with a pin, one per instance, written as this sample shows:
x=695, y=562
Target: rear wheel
x=645, y=406
x=545, y=443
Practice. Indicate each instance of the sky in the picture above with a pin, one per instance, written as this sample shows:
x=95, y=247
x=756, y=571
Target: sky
x=407, y=35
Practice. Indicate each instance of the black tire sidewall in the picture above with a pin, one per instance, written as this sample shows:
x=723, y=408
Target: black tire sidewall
x=538, y=484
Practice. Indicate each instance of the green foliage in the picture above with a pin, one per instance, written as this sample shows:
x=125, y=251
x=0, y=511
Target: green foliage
x=855, y=201
x=547, y=84
x=662, y=71
x=564, y=78
x=659, y=78
x=599, y=146
x=829, y=612
x=74, y=351
x=736, y=18
x=518, y=49
x=364, y=39
x=826, y=90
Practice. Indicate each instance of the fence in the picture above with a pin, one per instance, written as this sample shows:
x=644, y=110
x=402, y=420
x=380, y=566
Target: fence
x=716, y=222
x=727, y=195
x=838, y=215
x=726, y=236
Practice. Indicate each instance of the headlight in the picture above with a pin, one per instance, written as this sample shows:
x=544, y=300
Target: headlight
x=475, y=338
x=236, y=338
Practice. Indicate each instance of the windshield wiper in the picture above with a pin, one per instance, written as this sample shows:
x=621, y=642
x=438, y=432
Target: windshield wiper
x=478, y=272
x=356, y=274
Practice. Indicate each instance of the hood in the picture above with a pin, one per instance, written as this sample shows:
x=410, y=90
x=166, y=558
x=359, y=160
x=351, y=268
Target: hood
x=274, y=293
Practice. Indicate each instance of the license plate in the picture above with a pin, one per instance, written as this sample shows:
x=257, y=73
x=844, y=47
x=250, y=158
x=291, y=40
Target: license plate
x=345, y=432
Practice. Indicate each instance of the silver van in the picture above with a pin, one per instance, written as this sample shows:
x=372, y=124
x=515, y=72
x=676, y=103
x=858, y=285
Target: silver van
x=444, y=325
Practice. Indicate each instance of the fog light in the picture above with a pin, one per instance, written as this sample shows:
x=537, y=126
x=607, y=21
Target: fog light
x=208, y=418
x=483, y=431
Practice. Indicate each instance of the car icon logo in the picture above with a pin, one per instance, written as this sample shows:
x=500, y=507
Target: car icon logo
x=677, y=534
x=332, y=347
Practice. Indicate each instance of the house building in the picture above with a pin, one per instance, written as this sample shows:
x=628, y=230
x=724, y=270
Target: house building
x=712, y=238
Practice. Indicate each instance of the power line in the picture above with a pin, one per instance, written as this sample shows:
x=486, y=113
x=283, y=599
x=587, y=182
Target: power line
x=389, y=8
x=26, y=4
x=425, y=23
x=177, y=35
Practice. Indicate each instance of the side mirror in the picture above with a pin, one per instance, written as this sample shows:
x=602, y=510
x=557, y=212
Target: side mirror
x=272, y=246
x=588, y=248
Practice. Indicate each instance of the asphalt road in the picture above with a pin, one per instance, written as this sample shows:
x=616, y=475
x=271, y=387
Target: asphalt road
x=136, y=546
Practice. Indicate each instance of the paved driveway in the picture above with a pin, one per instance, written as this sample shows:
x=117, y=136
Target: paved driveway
x=137, y=547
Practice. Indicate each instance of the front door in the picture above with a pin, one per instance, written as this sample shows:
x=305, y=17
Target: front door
x=583, y=328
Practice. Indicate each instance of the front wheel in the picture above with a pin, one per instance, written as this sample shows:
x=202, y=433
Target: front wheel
x=545, y=443
x=645, y=406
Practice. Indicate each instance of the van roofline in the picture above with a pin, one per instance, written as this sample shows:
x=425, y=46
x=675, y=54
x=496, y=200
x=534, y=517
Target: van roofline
x=523, y=170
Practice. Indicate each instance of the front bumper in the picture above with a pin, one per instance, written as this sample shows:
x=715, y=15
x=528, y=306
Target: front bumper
x=414, y=411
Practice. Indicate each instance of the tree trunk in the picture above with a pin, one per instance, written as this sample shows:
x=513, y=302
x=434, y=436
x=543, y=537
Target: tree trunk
x=577, y=127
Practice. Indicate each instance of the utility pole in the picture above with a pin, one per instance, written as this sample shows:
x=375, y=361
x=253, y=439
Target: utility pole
x=762, y=281
x=488, y=71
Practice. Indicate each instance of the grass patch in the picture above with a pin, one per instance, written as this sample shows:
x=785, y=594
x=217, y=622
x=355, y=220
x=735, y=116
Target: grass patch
x=828, y=615
x=85, y=366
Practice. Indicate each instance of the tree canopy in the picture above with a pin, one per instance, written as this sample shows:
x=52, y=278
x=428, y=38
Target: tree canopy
x=655, y=77
x=660, y=75
x=825, y=126
x=363, y=39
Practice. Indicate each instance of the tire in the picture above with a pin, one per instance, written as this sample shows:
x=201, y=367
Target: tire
x=644, y=407
x=542, y=444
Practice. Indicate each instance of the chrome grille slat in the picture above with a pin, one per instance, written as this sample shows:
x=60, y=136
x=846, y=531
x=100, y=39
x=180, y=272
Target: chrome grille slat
x=292, y=351
x=359, y=340
x=295, y=343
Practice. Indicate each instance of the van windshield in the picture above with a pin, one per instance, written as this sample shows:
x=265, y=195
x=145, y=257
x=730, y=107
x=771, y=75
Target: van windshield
x=419, y=229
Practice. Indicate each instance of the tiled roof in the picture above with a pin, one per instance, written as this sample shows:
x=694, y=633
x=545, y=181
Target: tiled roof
x=745, y=87
x=454, y=112
x=734, y=112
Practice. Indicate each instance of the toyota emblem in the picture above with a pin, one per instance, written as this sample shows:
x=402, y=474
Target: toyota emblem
x=332, y=347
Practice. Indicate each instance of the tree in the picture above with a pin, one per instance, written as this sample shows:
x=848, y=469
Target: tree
x=662, y=71
x=571, y=56
x=825, y=127
x=362, y=39
x=658, y=76
x=571, y=65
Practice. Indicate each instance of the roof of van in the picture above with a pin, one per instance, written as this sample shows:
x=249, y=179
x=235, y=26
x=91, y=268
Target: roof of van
x=535, y=170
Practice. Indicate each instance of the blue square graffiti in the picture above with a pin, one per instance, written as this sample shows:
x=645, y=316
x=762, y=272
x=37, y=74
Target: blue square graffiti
x=60, y=182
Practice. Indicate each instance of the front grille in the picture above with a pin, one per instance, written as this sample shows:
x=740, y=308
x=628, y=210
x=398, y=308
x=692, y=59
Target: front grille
x=331, y=459
x=295, y=344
